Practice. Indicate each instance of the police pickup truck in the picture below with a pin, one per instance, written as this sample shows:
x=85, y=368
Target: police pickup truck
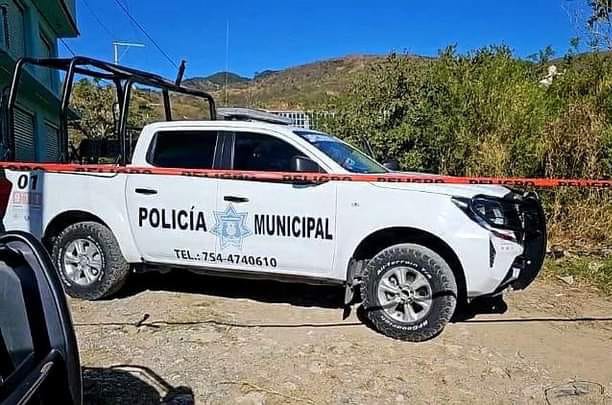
x=412, y=251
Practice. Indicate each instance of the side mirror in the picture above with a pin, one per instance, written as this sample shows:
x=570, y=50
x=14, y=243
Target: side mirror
x=39, y=359
x=304, y=164
x=392, y=165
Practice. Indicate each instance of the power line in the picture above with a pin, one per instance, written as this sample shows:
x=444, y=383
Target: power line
x=127, y=5
x=67, y=47
x=141, y=28
x=100, y=23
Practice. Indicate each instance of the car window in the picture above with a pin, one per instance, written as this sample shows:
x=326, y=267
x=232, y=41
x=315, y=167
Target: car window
x=184, y=149
x=347, y=156
x=263, y=152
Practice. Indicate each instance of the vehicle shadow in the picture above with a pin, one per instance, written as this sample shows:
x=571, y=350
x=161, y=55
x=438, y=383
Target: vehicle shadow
x=480, y=306
x=130, y=384
x=305, y=295
x=267, y=291
x=468, y=313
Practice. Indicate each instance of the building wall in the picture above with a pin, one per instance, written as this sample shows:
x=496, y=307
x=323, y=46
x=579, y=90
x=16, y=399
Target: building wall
x=29, y=34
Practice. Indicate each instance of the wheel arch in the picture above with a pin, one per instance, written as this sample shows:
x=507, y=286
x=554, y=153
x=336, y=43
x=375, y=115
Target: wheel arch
x=64, y=220
x=383, y=238
x=119, y=227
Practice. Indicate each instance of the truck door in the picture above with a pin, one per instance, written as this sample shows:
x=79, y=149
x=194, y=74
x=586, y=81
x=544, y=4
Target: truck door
x=264, y=226
x=171, y=216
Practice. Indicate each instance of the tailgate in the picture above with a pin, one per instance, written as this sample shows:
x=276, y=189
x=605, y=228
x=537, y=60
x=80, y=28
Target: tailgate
x=23, y=201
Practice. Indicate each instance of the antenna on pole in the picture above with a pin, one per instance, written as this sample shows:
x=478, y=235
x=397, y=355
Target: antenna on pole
x=123, y=44
x=227, y=32
x=116, y=58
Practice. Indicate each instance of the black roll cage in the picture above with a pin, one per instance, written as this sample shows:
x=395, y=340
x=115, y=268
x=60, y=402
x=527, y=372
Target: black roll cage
x=123, y=78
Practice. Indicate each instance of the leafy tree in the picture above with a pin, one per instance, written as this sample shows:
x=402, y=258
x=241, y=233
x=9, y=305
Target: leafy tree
x=601, y=10
x=593, y=20
x=95, y=104
x=600, y=23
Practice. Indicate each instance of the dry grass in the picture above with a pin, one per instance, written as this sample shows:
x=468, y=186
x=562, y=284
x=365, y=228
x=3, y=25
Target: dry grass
x=580, y=221
x=594, y=271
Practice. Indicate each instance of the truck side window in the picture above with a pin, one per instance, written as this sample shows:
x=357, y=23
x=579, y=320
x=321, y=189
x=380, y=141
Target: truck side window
x=184, y=149
x=263, y=153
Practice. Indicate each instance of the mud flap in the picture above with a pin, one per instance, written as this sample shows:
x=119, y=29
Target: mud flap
x=535, y=239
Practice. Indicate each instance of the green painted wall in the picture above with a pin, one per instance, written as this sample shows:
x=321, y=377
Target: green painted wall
x=39, y=89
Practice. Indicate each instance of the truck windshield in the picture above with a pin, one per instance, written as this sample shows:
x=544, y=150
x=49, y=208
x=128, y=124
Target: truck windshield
x=342, y=153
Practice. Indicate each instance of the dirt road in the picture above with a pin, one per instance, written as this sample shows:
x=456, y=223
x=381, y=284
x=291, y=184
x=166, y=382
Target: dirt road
x=246, y=342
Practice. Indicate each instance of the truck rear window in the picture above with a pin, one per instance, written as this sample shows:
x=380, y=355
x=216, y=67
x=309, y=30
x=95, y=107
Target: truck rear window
x=184, y=149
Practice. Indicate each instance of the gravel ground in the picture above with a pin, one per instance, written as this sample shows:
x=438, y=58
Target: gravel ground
x=181, y=338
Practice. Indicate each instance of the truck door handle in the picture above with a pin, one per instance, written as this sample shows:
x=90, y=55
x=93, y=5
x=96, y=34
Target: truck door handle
x=235, y=199
x=146, y=191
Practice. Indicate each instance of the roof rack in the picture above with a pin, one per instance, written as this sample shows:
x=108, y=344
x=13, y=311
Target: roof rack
x=249, y=114
x=123, y=79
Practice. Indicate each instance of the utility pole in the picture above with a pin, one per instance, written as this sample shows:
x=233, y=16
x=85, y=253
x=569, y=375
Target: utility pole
x=126, y=45
x=227, y=33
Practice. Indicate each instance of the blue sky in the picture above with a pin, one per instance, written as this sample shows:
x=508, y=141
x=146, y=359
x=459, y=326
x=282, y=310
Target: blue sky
x=277, y=34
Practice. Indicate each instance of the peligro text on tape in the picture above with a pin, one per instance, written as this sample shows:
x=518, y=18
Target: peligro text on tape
x=391, y=177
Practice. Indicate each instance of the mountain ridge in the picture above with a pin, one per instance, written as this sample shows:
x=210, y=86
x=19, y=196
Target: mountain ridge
x=293, y=87
x=215, y=80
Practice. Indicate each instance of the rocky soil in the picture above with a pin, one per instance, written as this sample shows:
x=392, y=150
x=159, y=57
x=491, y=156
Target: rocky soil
x=180, y=339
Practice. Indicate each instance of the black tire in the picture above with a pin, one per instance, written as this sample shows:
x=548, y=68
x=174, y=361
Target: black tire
x=115, y=269
x=443, y=290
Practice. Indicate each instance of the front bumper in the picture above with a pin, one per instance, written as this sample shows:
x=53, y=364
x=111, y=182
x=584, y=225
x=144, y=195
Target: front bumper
x=515, y=248
x=534, y=239
x=532, y=236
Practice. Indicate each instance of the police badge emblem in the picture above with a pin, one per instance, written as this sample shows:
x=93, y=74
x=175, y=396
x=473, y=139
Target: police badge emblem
x=230, y=227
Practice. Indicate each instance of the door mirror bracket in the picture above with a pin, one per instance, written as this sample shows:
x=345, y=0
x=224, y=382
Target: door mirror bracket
x=304, y=164
x=392, y=165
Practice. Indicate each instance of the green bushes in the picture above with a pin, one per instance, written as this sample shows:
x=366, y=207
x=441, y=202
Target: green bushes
x=486, y=114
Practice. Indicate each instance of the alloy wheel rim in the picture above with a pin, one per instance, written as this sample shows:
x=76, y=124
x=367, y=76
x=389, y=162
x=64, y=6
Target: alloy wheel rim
x=82, y=261
x=405, y=294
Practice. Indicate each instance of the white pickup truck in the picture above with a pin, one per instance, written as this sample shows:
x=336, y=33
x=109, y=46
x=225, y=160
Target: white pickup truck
x=412, y=251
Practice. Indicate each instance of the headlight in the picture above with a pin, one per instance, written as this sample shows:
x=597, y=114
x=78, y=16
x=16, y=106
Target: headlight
x=497, y=215
x=490, y=210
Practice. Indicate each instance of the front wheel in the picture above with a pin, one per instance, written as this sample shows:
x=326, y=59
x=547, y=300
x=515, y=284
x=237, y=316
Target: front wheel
x=409, y=292
x=89, y=261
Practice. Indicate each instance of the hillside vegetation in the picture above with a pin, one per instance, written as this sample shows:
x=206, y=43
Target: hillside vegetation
x=300, y=87
x=216, y=81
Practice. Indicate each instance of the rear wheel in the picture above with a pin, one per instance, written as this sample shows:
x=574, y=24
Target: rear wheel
x=89, y=261
x=409, y=292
